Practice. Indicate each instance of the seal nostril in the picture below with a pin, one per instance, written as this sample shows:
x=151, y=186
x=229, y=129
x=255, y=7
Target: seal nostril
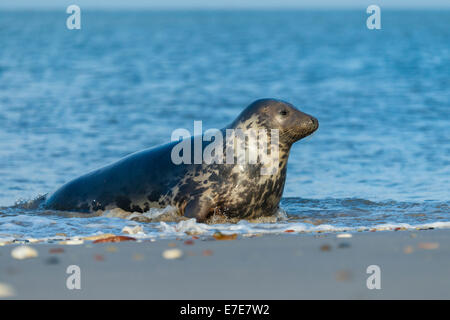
x=314, y=122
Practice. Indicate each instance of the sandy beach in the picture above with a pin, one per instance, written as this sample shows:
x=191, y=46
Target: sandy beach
x=413, y=265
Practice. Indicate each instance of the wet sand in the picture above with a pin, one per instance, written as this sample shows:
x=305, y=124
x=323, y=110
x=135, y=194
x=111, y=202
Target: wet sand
x=414, y=265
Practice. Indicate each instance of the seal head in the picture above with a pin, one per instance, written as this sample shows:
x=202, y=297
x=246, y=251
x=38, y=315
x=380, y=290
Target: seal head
x=292, y=124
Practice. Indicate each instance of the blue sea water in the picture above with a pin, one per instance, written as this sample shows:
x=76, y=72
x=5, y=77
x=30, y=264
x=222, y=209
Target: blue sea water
x=75, y=100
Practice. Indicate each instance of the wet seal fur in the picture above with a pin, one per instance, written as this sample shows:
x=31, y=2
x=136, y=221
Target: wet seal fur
x=149, y=179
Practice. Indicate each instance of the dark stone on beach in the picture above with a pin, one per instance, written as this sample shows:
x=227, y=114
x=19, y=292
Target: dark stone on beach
x=56, y=250
x=52, y=260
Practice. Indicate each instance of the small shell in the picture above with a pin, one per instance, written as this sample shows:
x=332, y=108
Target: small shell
x=24, y=252
x=172, y=254
x=72, y=242
x=344, y=235
x=6, y=291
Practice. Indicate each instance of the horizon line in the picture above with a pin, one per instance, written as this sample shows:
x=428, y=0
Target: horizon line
x=224, y=8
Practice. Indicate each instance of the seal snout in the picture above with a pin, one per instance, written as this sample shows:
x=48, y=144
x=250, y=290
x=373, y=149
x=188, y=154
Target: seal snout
x=314, y=123
x=306, y=126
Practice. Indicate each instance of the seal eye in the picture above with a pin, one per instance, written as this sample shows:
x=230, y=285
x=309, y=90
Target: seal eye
x=283, y=112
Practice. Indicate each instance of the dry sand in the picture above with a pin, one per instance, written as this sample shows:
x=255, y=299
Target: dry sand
x=292, y=266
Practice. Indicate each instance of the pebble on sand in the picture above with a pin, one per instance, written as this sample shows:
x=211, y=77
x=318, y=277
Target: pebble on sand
x=172, y=254
x=52, y=260
x=408, y=250
x=138, y=257
x=207, y=252
x=56, y=250
x=111, y=249
x=429, y=245
x=115, y=239
x=221, y=236
x=343, y=275
x=6, y=291
x=24, y=252
x=99, y=257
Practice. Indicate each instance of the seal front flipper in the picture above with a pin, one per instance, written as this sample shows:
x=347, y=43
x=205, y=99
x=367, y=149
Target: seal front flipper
x=198, y=208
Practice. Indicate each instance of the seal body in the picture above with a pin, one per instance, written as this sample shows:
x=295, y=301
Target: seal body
x=150, y=178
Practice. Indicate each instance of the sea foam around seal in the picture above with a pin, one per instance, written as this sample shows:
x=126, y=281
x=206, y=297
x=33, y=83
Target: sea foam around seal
x=164, y=223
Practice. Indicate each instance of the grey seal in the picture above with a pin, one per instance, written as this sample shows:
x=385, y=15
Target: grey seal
x=150, y=178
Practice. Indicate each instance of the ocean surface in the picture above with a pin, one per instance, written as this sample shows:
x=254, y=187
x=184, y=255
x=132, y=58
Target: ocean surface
x=75, y=100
